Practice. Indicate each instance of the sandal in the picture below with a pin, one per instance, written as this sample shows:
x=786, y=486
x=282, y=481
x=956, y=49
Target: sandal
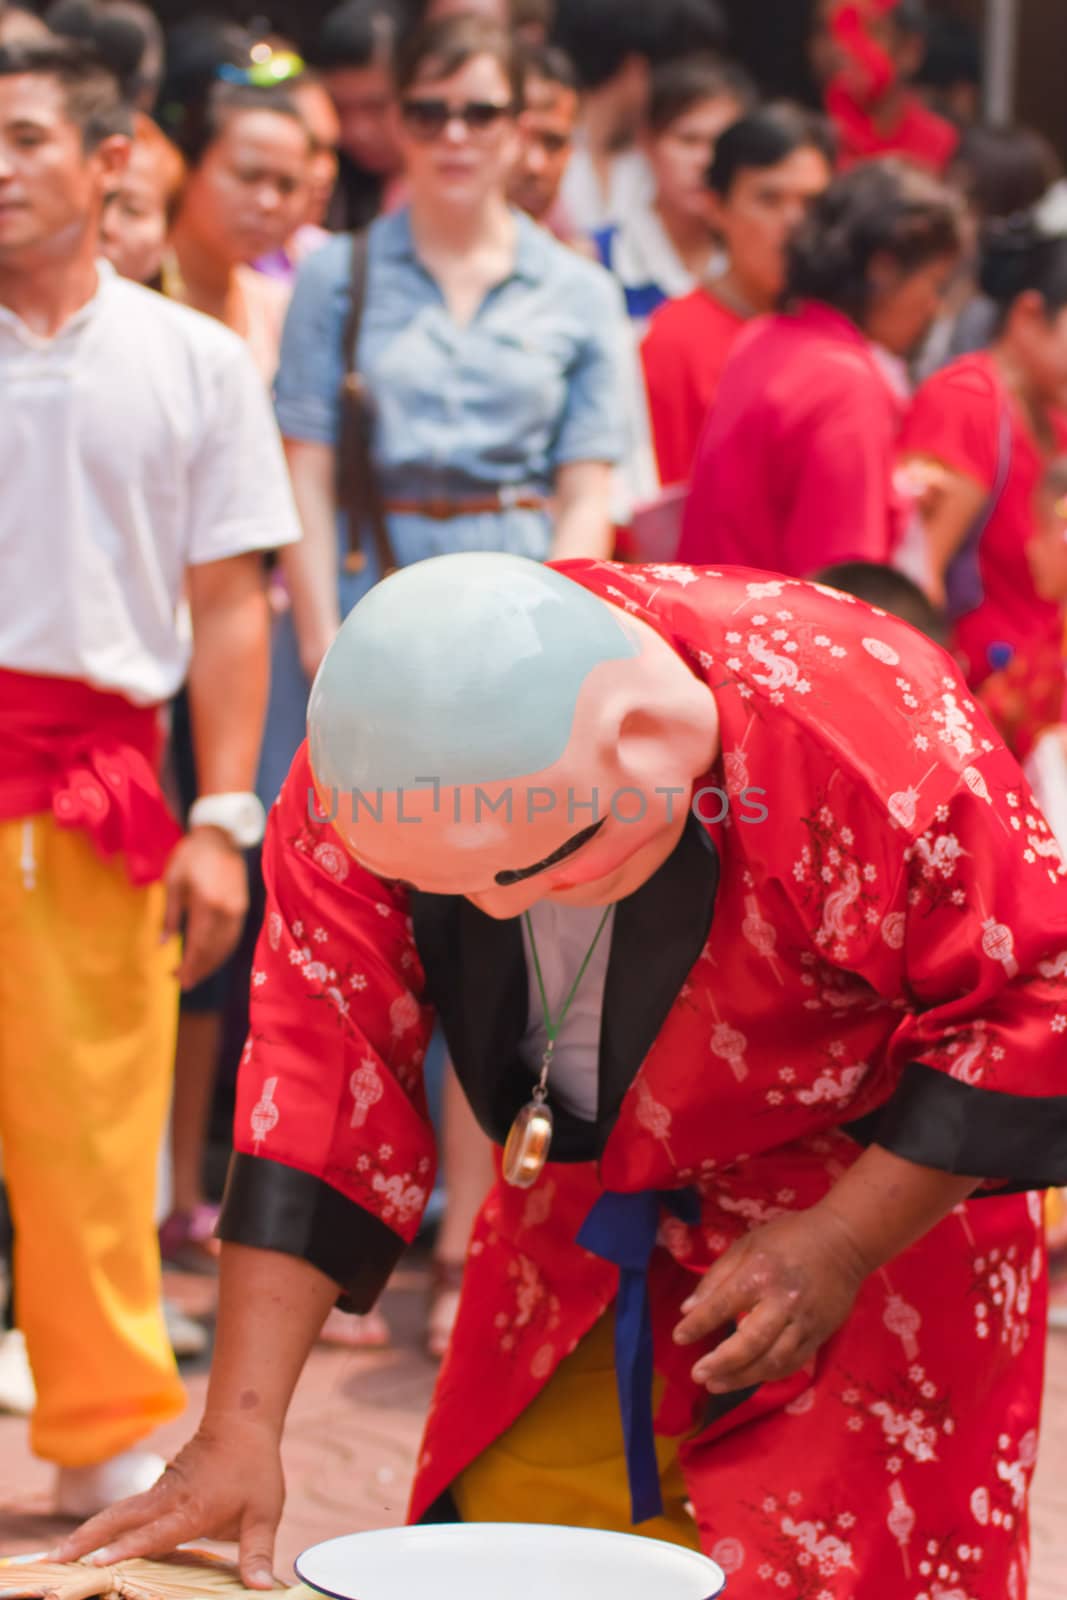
x=446, y=1285
x=345, y=1331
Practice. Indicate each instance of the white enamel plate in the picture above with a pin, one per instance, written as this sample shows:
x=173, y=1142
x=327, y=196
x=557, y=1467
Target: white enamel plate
x=506, y=1561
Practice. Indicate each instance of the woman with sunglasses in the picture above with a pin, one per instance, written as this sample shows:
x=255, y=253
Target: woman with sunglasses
x=493, y=355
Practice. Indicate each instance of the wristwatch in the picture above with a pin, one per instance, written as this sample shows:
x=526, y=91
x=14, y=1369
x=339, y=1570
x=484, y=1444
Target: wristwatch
x=240, y=815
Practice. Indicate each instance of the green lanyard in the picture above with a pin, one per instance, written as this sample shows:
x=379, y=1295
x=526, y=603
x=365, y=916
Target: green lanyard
x=552, y=1028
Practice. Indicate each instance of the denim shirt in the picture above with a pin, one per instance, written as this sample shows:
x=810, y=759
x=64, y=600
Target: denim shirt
x=534, y=381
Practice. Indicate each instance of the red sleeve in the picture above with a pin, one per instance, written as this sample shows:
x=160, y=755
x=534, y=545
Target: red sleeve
x=841, y=484
x=676, y=407
x=954, y=419
x=979, y=930
x=335, y=1152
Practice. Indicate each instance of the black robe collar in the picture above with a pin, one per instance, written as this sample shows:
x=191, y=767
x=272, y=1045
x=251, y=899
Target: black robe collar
x=476, y=978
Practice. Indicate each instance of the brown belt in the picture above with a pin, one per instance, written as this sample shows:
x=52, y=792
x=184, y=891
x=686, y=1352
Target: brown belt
x=446, y=510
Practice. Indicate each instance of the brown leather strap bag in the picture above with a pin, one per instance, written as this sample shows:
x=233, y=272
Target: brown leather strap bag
x=358, y=492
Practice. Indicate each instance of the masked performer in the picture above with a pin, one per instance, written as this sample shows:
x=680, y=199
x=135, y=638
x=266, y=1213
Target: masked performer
x=751, y=950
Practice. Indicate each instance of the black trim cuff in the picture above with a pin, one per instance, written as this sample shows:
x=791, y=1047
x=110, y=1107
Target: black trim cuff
x=1018, y=1142
x=273, y=1207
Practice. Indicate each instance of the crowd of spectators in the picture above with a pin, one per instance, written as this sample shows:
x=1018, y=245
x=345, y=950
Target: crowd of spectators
x=556, y=279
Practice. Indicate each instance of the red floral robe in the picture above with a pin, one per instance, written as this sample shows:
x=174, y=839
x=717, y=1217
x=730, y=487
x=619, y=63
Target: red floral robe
x=887, y=953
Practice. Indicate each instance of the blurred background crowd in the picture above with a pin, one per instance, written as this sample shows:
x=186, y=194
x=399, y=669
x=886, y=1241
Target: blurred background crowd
x=780, y=285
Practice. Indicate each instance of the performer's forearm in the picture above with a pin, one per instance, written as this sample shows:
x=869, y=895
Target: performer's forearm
x=229, y=675
x=886, y=1203
x=271, y=1311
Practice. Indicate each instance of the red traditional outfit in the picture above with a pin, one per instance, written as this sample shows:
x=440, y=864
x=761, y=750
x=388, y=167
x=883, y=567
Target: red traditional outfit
x=795, y=466
x=683, y=354
x=915, y=133
x=884, y=958
x=1008, y=639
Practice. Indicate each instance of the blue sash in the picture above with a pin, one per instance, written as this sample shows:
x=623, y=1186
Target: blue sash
x=622, y=1228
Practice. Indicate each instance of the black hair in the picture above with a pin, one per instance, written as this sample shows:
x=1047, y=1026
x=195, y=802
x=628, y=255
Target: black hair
x=911, y=17
x=203, y=121
x=882, y=208
x=1017, y=257
x=766, y=137
x=1003, y=171
x=890, y=591
x=91, y=92
x=358, y=33
x=123, y=33
x=953, y=54
x=678, y=86
x=196, y=49
x=601, y=35
x=548, y=63
x=439, y=49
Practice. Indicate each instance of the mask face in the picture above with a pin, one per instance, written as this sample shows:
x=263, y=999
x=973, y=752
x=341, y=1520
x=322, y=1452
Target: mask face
x=543, y=745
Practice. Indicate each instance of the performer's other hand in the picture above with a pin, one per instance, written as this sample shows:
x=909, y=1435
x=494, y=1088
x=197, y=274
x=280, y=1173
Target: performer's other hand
x=226, y=1484
x=207, y=889
x=789, y=1285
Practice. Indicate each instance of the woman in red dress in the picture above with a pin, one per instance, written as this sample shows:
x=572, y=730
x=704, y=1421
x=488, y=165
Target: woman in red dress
x=796, y=464
x=986, y=428
x=767, y=169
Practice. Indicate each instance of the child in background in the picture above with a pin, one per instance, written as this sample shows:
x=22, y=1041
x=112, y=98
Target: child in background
x=1047, y=550
x=888, y=589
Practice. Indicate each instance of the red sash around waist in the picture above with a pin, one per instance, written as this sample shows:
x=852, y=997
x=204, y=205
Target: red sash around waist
x=92, y=760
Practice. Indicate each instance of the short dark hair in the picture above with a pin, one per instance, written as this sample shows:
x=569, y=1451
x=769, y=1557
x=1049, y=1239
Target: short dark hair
x=891, y=591
x=357, y=33
x=1018, y=257
x=123, y=32
x=766, y=137
x=600, y=35
x=678, y=86
x=550, y=64
x=1002, y=171
x=438, y=49
x=91, y=92
x=202, y=121
x=882, y=208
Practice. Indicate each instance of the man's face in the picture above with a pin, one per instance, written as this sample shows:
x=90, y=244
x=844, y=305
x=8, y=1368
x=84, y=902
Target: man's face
x=50, y=186
x=547, y=127
x=363, y=98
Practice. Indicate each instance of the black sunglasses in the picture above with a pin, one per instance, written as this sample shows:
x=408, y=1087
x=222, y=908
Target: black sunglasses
x=428, y=119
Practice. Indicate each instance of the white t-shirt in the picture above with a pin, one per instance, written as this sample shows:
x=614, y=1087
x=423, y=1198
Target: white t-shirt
x=587, y=207
x=136, y=443
x=564, y=935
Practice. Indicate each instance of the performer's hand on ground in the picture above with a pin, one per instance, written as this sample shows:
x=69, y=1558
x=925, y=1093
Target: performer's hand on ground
x=207, y=888
x=789, y=1285
x=226, y=1484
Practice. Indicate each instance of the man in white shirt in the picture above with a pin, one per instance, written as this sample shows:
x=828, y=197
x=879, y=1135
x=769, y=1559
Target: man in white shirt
x=143, y=478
